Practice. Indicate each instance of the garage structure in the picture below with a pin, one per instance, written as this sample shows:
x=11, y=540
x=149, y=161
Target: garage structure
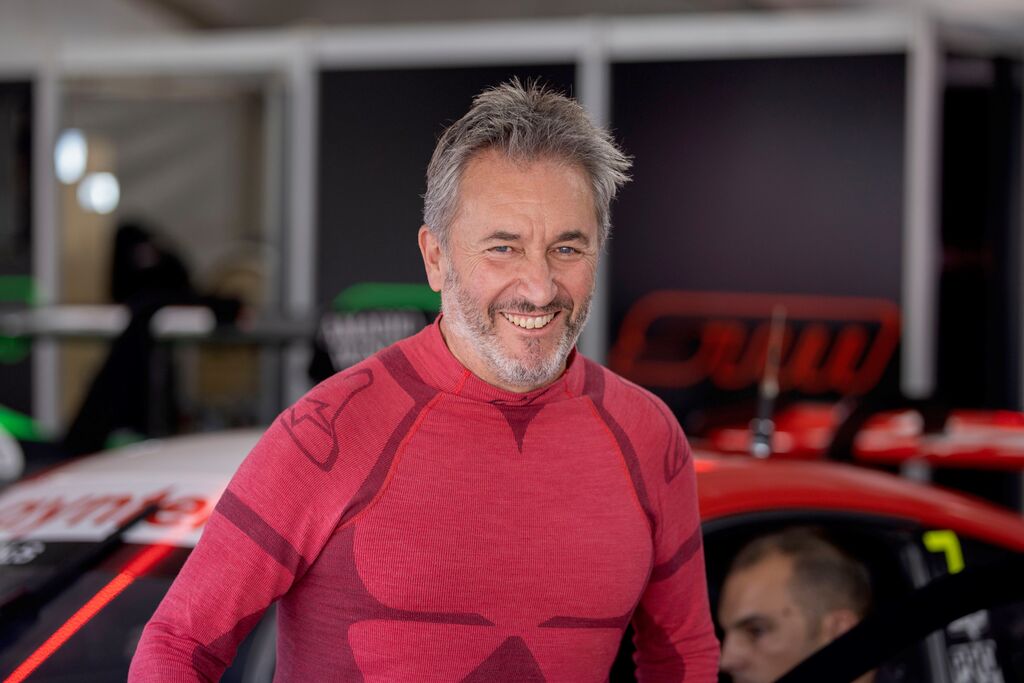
x=843, y=117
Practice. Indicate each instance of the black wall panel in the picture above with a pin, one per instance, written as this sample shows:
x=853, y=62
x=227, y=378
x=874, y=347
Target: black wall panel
x=15, y=234
x=771, y=175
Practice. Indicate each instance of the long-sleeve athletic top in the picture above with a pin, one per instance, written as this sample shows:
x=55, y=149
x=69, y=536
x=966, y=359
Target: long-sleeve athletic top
x=418, y=524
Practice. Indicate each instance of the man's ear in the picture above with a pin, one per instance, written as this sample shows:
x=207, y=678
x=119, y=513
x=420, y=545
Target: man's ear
x=837, y=622
x=430, y=248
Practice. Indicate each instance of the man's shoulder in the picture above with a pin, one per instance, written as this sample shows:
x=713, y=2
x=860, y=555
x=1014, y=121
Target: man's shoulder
x=616, y=388
x=359, y=377
x=630, y=403
x=375, y=380
x=347, y=411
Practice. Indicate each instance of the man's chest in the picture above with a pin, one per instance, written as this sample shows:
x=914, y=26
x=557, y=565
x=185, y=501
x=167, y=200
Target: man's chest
x=522, y=517
x=490, y=544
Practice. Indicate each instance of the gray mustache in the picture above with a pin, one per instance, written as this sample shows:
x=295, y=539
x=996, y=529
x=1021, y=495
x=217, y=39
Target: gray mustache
x=526, y=308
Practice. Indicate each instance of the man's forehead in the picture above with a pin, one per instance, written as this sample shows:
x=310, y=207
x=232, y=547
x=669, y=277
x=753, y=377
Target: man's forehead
x=764, y=584
x=773, y=566
x=492, y=168
x=491, y=182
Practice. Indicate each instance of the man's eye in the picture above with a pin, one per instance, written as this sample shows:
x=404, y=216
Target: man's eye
x=755, y=632
x=501, y=249
x=567, y=251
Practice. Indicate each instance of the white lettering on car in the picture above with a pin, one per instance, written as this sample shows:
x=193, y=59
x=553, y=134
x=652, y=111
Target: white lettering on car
x=77, y=516
x=20, y=552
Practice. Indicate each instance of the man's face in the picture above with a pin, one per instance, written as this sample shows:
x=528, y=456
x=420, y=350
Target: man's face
x=766, y=632
x=519, y=270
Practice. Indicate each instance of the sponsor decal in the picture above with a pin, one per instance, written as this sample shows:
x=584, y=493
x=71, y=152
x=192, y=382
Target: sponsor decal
x=66, y=510
x=676, y=339
x=353, y=337
x=20, y=552
x=975, y=663
x=972, y=654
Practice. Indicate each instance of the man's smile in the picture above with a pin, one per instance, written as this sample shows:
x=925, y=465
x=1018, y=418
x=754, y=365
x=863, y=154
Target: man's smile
x=529, y=322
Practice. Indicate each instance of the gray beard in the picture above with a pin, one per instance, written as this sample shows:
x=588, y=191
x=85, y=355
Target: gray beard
x=465, y=320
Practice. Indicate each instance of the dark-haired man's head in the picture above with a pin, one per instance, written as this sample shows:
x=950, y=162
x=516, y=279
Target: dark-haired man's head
x=787, y=595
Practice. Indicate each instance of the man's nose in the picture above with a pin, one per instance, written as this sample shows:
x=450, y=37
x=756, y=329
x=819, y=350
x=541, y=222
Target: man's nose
x=537, y=282
x=732, y=655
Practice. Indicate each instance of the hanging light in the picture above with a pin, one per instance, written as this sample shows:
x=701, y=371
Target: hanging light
x=70, y=156
x=99, y=193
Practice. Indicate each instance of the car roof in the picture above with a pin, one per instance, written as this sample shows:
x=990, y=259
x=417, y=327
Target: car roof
x=730, y=485
x=212, y=453
x=88, y=498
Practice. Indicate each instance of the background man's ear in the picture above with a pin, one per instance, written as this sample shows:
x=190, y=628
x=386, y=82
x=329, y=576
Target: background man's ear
x=837, y=622
x=430, y=248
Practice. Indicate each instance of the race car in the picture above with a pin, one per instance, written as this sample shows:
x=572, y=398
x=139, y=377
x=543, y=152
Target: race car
x=89, y=549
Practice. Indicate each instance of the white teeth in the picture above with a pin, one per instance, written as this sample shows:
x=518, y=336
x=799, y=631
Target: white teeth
x=528, y=322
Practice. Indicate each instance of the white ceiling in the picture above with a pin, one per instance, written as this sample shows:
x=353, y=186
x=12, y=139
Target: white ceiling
x=26, y=25
x=220, y=14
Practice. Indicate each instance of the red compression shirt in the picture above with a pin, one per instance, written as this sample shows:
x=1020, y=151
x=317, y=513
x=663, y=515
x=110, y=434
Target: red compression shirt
x=419, y=524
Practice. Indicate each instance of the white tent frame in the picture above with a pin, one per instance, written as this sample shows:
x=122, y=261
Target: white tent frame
x=592, y=45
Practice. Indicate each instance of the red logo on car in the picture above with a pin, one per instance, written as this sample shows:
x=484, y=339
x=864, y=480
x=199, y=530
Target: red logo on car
x=677, y=339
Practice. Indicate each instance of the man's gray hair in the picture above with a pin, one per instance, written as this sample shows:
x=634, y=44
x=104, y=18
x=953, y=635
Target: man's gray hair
x=526, y=123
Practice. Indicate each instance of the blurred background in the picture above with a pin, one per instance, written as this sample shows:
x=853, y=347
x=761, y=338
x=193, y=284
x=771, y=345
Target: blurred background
x=859, y=162
x=208, y=205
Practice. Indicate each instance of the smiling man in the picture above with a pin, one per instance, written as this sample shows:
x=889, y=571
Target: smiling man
x=517, y=268
x=477, y=502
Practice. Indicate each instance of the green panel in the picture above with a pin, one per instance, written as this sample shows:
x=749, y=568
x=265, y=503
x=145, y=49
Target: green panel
x=20, y=426
x=375, y=296
x=16, y=289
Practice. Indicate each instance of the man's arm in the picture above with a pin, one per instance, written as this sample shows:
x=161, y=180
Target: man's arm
x=242, y=563
x=675, y=639
x=270, y=524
